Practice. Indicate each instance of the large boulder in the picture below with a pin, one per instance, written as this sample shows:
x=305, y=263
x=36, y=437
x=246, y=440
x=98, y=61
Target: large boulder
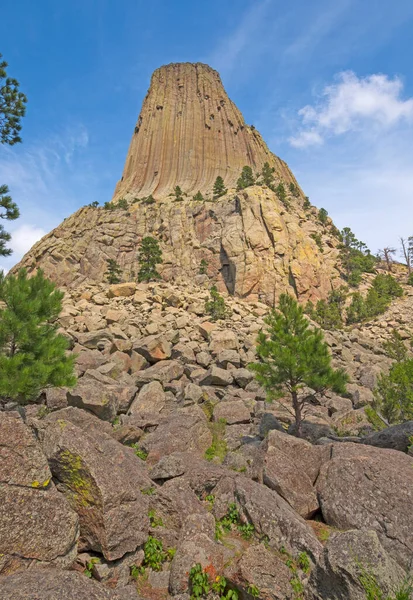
x=362, y=487
x=90, y=394
x=102, y=481
x=151, y=399
x=154, y=348
x=398, y=437
x=346, y=558
x=53, y=584
x=36, y=522
x=164, y=371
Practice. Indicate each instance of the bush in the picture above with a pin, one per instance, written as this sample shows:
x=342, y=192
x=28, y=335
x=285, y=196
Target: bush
x=394, y=393
x=282, y=196
x=219, y=188
x=410, y=279
x=114, y=271
x=383, y=290
x=318, y=240
x=198, y=197
x=267, y=175
x=246, y=179
x=178, y=193
x=215, y=306
x=33, y=356
x=306, y=203
x=294, y=190
x=356, y=257
x=203, y=266
x=149, y=256
x=322, y=216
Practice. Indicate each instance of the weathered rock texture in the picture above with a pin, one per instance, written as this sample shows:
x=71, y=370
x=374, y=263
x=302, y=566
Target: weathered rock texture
x=188, y=133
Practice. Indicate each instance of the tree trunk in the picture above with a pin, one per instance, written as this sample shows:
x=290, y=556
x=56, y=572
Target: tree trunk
x=297, y=412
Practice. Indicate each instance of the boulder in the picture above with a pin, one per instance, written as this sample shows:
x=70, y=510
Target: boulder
x=397, y=437
x=242, y=377
x=268, y=422
x=119, y=290
x=223, y=340
x=154, y=348
x=164, y=372
x=346, y=557
x=217, y=376
x=193, y=393
x=228, y=357
x=53, y=584
x=95, y=396
x=102, y=481
x=95, y=339
x=363, y=487
x=233, y=411
x=151, y=399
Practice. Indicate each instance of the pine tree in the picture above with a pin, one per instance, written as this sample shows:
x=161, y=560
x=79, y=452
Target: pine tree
x=281, y=193
x=215, y=307
x=198, y=197
x=32, y=353
x=178, y=193
x=203, y=265
x=268, y=175
x=294, y=357
x=322, y=216
x=9, y=211
x=393, y=395
x=306, y=203
x=149, y=256
x=294, y=190
x=114, y=271
x=246, y=179
x=12, y=109
x=219, y=188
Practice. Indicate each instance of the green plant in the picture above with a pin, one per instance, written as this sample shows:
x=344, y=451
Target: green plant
x=294, y=190
x=267, y=174
x=246, y=178
x=178, y=193
x=356, y=258
x=33, y=355
x=199, y=583
x=136, y=572
x=318, y=240
x=219, y=585
x=373, y=590
x=114, y=272
x=203, y=266
x=393, y=395
x=140, y=452
x=322, y=216
x=218, y=448
x=294, y=357
x=247, y=530
x=93, y=204
x=410, y=279
x=148, y=491
x=149, y=256
x=198, y=197
x=210, y=498
x=148, y=200
x=303, y=562
x=253, y=591
x=154, y=520
x=306, y=203
x=215, y=306
x=171, y=553
x=9, y=211
x=219, y=188
x=89, y=567
x=297, y=586
x=281, y=193
x=154, y=554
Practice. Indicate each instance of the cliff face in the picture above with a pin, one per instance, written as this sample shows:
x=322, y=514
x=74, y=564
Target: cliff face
x=256, y=242
x=188, y=133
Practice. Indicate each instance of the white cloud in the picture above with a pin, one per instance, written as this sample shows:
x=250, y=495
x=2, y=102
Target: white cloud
x=354, y=104
x=24, y=237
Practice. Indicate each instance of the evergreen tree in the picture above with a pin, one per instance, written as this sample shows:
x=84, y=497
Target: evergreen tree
x=268, y=175
x=9, y=211
x=356, y=257
x=114, y=272
x=32, y=353
x=198, y=197
x=281, y=193
x=306, y=203
x=246, y=179
x=322, y=216
x=149, y=256
x=356, y=312
x=393, y=396
x=294, y=357
x=215, y=307
x=294, y=190
x=219, y=188
x=203, y=265
x=12, y=109
x=178, y=193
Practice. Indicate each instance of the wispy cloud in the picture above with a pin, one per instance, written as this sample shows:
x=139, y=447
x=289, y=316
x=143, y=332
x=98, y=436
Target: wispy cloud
x=353, y=103
x=45, y=180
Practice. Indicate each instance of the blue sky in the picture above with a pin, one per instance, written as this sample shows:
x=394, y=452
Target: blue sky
x=328, y=84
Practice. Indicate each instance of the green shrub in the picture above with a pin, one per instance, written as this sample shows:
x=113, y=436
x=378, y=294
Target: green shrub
x=219, y=188
x=114, y=272
x=393, y=395
x=410, y=279
x=306, y=203
x=33, y=355
x=149, y=256
x=215, y=306
x=198, y=197
x=154, y=554
x=203, y=266
x=356, y=258
x=178, y=193
x=322, y=216
x=282, y=196
x=294, y=190
x=246, y=178
x=267, y=174
x=318, y=240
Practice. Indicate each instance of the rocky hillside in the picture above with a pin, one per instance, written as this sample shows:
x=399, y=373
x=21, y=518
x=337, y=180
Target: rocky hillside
x=257, y=242
x=166, y=455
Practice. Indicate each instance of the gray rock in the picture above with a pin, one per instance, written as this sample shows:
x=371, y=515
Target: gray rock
x=217, y=376
x=97, y=397
x=228, y=357
x=242, y=377
x=151, y=399
x=269, y=422
x=397, y=437
x=163, y=371
x=232, y=412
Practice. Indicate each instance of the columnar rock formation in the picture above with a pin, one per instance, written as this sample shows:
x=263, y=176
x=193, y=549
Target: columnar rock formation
x=258, y=242
x=188, y=133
